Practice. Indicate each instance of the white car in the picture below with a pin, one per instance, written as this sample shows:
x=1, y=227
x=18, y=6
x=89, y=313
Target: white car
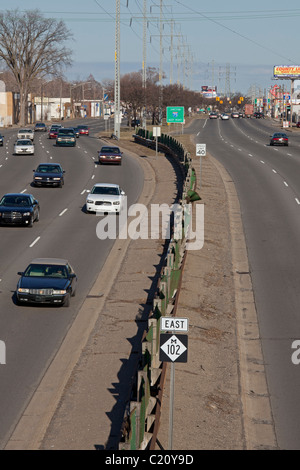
x=25, y=134
x=105, y=198
x=224, y=116
x=24, y=146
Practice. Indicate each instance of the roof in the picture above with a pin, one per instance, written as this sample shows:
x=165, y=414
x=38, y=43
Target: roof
x=49, y=261
x=18, y=194
x=107, y=185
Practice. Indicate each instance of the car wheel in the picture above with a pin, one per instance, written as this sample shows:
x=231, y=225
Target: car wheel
x=31, y=222
x=37, y=216
x=67, y=301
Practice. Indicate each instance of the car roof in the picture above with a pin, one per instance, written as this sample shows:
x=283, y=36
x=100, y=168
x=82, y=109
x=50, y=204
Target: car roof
x=107, y=185
x=17, y=194
x=49, y=261
x=49, y=163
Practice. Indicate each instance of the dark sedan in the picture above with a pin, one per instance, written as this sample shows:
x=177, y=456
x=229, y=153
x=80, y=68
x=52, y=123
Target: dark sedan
x=66, y=137
x=18, y=208
x=1, y=140
x=110, y=154
x=49, y=174
x=47, y=281
x=279, y=138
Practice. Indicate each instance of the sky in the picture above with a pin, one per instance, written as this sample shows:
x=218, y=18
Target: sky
x=233, y=45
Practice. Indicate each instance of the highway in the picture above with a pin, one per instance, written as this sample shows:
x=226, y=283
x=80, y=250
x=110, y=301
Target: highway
x=33, y=335
x=268, y=186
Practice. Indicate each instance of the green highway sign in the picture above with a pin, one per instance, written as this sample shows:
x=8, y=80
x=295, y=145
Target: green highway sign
x=175, y=114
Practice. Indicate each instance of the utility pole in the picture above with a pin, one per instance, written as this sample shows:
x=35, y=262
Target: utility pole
x=160, y=64
x=117, y=73
x=144, y=63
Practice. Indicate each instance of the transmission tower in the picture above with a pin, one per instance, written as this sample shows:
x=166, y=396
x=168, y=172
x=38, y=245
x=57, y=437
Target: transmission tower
x=117, y=116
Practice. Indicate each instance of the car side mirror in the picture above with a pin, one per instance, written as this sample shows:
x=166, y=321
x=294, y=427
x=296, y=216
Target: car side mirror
x=20, y=273
x=123, y=193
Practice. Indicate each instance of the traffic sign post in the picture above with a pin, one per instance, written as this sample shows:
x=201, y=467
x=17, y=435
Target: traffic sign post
x=200, y=152
x=173, y=348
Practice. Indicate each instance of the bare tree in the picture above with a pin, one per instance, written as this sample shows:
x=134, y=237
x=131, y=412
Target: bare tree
x=32, y=47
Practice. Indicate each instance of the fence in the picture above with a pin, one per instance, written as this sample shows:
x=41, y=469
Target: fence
x=141, y=418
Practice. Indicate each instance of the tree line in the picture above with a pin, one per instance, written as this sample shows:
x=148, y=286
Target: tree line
x=33, y=56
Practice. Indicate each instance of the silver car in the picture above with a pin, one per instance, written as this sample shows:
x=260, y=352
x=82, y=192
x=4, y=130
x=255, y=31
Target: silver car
x=25, y=134
x=24, y=147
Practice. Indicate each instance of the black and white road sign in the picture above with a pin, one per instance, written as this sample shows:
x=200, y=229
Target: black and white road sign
x=200, y=150
x=173, y=348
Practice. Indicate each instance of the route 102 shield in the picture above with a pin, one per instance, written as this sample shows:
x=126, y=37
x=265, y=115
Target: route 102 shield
x=173, y=348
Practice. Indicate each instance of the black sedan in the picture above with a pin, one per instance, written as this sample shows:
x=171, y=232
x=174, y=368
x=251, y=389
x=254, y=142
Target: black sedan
x=1, y=140
x=19, y=208
x=47, y=281
x=279, y=138
x=49, y=174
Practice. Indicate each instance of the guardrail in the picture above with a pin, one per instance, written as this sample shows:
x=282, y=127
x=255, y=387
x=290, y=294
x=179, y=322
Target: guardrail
x=141, y=419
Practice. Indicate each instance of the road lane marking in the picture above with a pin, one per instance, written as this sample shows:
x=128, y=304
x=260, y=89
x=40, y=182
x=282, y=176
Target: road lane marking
x=285, y=183
x=297, y=200
x=274, y=171
x=24, y=190
x=63, y=212
x=262, y=162
x=35, y=241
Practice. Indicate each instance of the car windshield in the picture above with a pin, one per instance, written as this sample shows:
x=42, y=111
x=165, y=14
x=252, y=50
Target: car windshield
x=48, y=169
x=66, y=132
x=25, y=130
x=15, y=201
x=105, y=190
x=110, y=150
x=46, y=270
x=24, y=142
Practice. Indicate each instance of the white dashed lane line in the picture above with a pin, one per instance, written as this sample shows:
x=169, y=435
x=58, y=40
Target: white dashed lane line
x=63, y=212
x=35, y=241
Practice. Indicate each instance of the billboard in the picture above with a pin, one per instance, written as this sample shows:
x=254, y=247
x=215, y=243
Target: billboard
x=287, y=71
x=209, y=91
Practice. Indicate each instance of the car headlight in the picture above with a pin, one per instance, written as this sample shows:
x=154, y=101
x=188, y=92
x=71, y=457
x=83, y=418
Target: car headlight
x=26, y=213
x=21, y=290
x=89, y=201
x=37, y=178
x=116, y=203
x=59, y=292
x=56, y=179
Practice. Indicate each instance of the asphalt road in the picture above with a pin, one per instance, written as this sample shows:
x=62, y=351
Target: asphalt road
x=268, y=186
x=32, y=335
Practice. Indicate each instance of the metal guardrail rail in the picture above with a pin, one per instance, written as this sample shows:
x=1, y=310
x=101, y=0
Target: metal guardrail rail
x=141, y=419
